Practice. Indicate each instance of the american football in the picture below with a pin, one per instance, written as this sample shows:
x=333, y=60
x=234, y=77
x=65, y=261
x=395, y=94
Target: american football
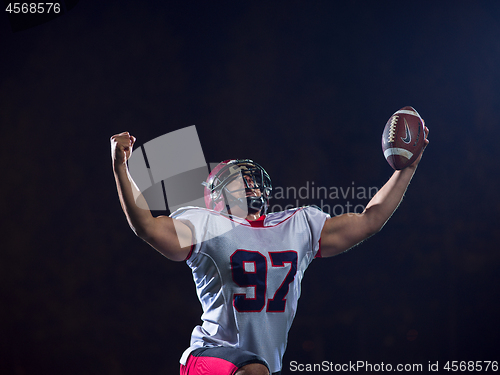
x=403, y=138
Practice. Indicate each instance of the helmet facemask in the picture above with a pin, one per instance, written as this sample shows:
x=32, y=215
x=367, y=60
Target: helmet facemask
x=229, y=183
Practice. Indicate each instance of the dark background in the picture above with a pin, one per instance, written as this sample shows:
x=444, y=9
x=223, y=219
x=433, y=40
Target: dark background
x=304, y=88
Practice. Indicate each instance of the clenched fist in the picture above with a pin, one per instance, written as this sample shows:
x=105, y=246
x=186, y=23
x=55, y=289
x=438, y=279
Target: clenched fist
x=121, y=147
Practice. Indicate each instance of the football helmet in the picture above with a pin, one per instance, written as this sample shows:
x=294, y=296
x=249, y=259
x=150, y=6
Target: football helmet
x=217, y=195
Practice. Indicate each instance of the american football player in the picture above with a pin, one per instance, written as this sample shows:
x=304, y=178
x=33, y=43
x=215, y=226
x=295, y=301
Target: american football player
x=247, y=264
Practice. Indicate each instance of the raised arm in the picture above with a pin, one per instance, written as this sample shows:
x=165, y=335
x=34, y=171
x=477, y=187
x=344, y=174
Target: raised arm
x=168, y=236
x=342, y=232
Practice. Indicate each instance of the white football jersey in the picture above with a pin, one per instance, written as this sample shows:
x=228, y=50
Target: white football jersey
x=248, y=276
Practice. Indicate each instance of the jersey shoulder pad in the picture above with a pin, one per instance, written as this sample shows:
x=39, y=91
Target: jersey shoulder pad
x=188, y=210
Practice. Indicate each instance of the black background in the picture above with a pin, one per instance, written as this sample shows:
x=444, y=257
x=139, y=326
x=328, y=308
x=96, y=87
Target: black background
x=304, y=88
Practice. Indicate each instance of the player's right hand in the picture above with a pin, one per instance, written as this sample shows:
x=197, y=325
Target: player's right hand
x=121, y=147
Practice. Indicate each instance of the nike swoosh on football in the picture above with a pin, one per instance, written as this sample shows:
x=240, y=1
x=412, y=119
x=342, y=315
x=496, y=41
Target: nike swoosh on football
x=407, y=138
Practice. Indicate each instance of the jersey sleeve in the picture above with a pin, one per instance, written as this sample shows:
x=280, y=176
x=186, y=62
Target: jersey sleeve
x=195, y=218
x=316, y=219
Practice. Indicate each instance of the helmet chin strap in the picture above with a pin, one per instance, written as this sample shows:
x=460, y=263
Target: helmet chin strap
x=252, y=204
x=255, y=204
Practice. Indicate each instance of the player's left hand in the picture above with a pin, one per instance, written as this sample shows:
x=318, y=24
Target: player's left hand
x=426, y=143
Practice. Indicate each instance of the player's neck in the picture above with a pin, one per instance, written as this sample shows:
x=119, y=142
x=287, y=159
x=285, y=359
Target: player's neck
x=249, y=217
x=253, y=217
